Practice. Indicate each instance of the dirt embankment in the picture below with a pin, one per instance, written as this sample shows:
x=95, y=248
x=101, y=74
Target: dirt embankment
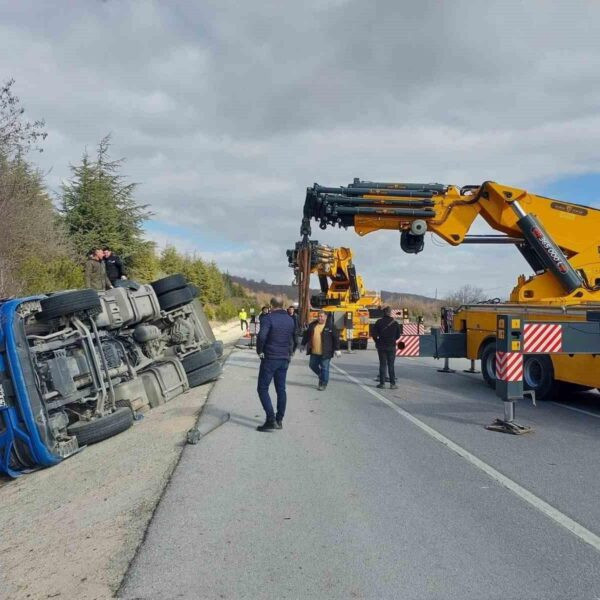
x=70, y=531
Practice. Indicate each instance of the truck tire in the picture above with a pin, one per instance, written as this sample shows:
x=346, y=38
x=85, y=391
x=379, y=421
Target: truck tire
x=194, y=289
x=488, y=363
x=68, y=303
x=194, y=361
x=168, y=284
x=204, y=374
x=175, y=298
x=90, y=432
x=218, y=346
x=538, y=372
x=538, y=375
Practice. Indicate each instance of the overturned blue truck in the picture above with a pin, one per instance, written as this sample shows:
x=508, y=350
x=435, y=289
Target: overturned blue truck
x=77, y=367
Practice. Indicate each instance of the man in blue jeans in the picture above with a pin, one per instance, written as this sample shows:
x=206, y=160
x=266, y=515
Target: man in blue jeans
x=275, y=345
x=322, y=341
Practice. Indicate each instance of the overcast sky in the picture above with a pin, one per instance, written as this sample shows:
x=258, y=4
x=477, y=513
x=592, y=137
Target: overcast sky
x=227, y=111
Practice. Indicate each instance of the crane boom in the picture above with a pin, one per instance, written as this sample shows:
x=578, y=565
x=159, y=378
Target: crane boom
x=340, y=285
x=559, y=240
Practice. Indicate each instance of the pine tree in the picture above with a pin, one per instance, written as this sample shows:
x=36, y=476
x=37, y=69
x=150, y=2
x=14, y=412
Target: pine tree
x=145, y=264
x=171, y=261
x=216, y=284
x=99, y=207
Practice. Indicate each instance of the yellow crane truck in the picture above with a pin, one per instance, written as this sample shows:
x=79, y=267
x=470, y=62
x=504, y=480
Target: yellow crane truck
x=559, y=240
x=343, y=292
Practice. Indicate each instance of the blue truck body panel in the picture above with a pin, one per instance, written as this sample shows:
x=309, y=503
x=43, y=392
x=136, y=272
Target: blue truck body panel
x=18, y=424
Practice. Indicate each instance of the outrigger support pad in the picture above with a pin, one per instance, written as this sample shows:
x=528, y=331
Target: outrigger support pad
x=509, y=427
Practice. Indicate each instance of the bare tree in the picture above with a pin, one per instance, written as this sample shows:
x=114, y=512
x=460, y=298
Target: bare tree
x=466, y=294
x=17, y=136
x=29, y=226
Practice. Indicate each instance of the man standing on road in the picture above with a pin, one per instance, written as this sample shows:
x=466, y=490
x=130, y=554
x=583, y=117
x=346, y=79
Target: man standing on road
x=264, y=311
x=275, y=345
x=114, y=266
x=386, y=332
x=95, y=271
x=243, y=315
x=322, y=341
x=292, y=312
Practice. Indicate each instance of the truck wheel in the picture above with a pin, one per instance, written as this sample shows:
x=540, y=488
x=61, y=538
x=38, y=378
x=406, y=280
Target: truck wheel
x=176, y=298
x=204, y=374
x=68, y=303
x=538, y=375
x=90, y=432
x=168, y=284
x=194, y=361
x=488, y=364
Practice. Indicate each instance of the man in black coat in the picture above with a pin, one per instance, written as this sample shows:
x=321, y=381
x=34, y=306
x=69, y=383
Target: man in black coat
x=275, y=345
x=292, y=312
x=114, y=266
x=322, y=341
x=386, y=333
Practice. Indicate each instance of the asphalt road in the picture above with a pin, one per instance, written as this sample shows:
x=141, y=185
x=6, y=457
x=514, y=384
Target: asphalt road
x=398, y=494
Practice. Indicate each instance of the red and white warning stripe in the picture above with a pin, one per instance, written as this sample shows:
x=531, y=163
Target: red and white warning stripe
x=411, y=345
x=509, y=366
x=396, y=313
x=542, y=337
x=412, y=329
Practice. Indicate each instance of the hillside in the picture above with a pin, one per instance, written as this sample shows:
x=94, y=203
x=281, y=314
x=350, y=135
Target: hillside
x=417, y=304
x=262, y=287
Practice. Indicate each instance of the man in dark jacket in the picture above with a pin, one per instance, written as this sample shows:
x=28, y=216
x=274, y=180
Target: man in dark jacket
x=292, y=312
x=322, y=341
x=264, y=311
x=386, y=333
x=275, y=345
x=114, y=266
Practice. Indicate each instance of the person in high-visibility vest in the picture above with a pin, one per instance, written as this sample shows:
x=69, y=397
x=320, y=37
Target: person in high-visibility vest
x=243, y=315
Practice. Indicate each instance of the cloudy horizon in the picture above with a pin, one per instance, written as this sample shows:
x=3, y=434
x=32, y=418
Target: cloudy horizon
x=226, y=111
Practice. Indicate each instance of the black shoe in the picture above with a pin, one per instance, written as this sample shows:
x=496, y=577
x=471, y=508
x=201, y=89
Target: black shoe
x=320, y=386
x=266, y=426
x=393, y=386
x=381, y=386
x=278, y=424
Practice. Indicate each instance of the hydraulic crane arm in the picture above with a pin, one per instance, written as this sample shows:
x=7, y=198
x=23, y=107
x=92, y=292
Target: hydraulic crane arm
x=333, y=266
x=559, y=240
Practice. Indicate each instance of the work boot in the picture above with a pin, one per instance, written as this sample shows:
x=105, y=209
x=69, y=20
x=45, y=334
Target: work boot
x=393, y=386
x=279, y=424
x=320, y=386
x=266, y=426
x=381, y=386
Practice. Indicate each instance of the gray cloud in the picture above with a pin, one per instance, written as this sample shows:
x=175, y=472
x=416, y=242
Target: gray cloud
x=226, y=111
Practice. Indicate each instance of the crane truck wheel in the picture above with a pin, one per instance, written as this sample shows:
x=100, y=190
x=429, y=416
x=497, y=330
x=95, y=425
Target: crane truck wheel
x=538, y=372
x=488, y=363
x=538, y=375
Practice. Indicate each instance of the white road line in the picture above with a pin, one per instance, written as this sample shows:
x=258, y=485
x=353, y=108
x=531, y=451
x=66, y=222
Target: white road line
x=580, y=410
x=553, y=513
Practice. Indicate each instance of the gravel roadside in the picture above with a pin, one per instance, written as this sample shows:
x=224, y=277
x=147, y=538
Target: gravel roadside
x=71, y=531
